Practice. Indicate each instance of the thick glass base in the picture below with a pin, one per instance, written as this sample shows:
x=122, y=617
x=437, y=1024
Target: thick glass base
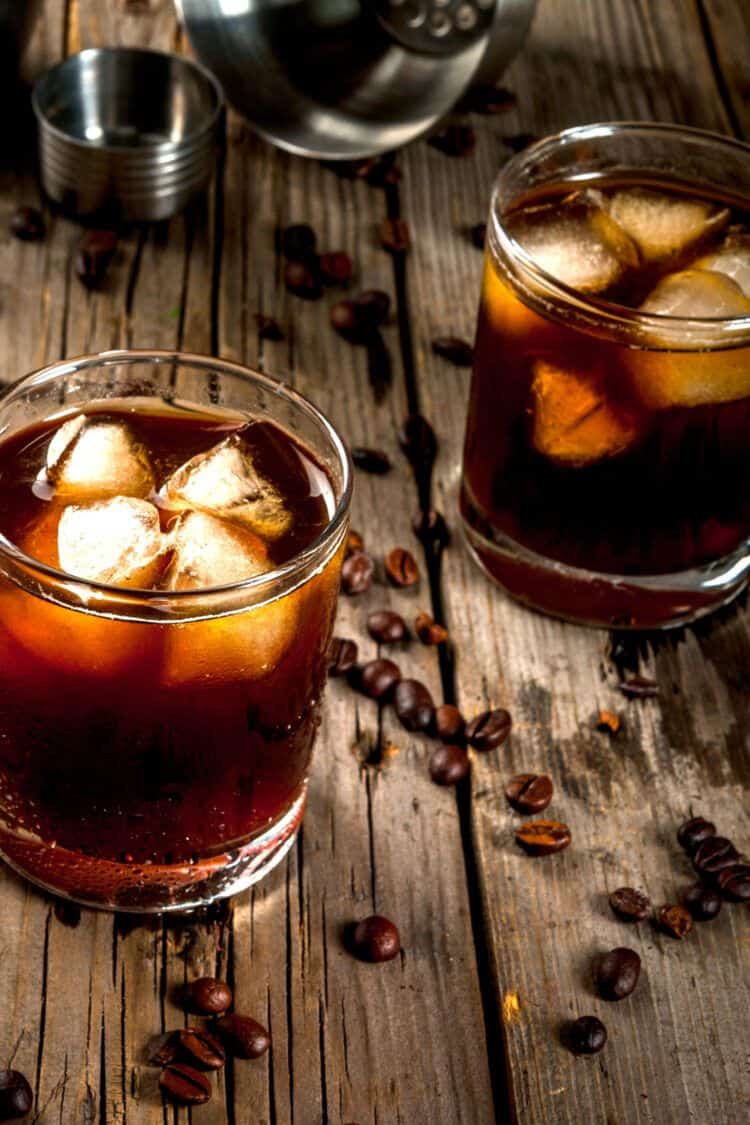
x=152, y=888
x=609, y=601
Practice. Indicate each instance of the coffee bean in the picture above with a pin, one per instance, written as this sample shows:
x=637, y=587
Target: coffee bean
x=431, y=530
x=375, y=939
x=413, y=704
x=16, y=1098
x=608, y=722
x=371, y=460
x=335, y=268
x=401, y=567
x=378, y=171
x=27, y=223
x=387, y=627
x=301, y=279
x=449, y=764
x=342, y=656
x=449, y=724
x=478, y=235
x=630, y=905
x=674, y=920
x=346, y=321
x=162, y=1049
x=379, y=364
x=297, y=242
x=200, y=1049
x=454, y=140
x=418, y=442
x=704, y=903
x=714, y=854
x=543, y=837
x=428, y=630
x=373, y=306
x=354, y=542
x=356, y=573
x=586, y=1035
x=734, y=882
x=268, y=328
x=184, y=1084
x=242, y=1036
x=529, y=792
x=694, y=832
x=376, y=679
x=208, y=996
x=456, y=351
x=517, y=142
x=395, y=236
x=489, y=730
x=616, y=973
x=95, y=252
x=68, y=913
x=486, y=100
x=638, y=687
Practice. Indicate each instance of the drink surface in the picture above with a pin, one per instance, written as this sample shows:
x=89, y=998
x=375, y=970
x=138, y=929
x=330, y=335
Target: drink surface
x=613, y=451
x=132, y=743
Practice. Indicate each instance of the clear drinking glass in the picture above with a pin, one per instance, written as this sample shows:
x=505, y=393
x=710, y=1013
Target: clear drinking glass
x=607, y=452
x=154, y=745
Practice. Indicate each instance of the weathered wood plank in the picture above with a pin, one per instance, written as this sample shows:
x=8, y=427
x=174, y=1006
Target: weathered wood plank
x=686, y=752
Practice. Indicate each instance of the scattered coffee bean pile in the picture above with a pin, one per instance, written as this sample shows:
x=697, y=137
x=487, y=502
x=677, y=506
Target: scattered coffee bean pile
x=188, y=1054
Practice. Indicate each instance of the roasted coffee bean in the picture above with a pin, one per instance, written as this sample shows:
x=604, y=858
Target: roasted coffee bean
x=354, y=542
x=704, y=903
x=27, y=224
x=630, y=905
x=674, y=920
x=346, y=321
x=413, y=704
x=184, y=1084
x=162, y=1049
x=586, y=1035
x=431, y=530
x=608, y=722
x=449, y=724
x=95, y=252
x=543, y=837
x=517, y=142
x=335, y=268
x=342, y=656
x=379, y=364
x=529, y=792
x=371, y=460
x=734, y=882
x=714, y=854
x=401, y=567
x=449, y=764
x=377, y=678
x=455, y=140
x=387, y=627
x=486, y=100
x=378, y=171
x=395, y=236
x=208, y=996
x=418, y=442
x=356, y=573
x=68, y=913
x=301, y=279
x=200, y=1049
x=16, y=1098
x=297, y=242
x=638, y=687
x=489, y=730
x=616, y=973
x=694, y=832
x=268, y=328
x=478, y=235
x=242, y=1036
x=375, y=939
x=373, y=306
x=428, y=630
x=456, y=351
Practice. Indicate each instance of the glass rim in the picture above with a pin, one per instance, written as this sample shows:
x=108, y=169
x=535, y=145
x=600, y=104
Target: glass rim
x=681, y=332
x=159, y=599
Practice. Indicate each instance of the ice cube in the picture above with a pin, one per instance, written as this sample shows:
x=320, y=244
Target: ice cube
x=224, y=481
x=207, y=552
x=92, y=458
x=575, y=421
x=697, y=294
x=576, y=241
x=117, y=541
x=664, y=225
x=732, y=258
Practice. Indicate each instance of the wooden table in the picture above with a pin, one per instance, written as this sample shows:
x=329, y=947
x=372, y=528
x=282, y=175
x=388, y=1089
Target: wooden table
x=464, y=1027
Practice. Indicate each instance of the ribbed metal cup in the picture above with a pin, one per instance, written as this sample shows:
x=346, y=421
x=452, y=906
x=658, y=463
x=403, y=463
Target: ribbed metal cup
x=128, y=131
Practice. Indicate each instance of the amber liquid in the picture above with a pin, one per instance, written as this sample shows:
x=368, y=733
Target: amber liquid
x=565, y=458
x=131, y=744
